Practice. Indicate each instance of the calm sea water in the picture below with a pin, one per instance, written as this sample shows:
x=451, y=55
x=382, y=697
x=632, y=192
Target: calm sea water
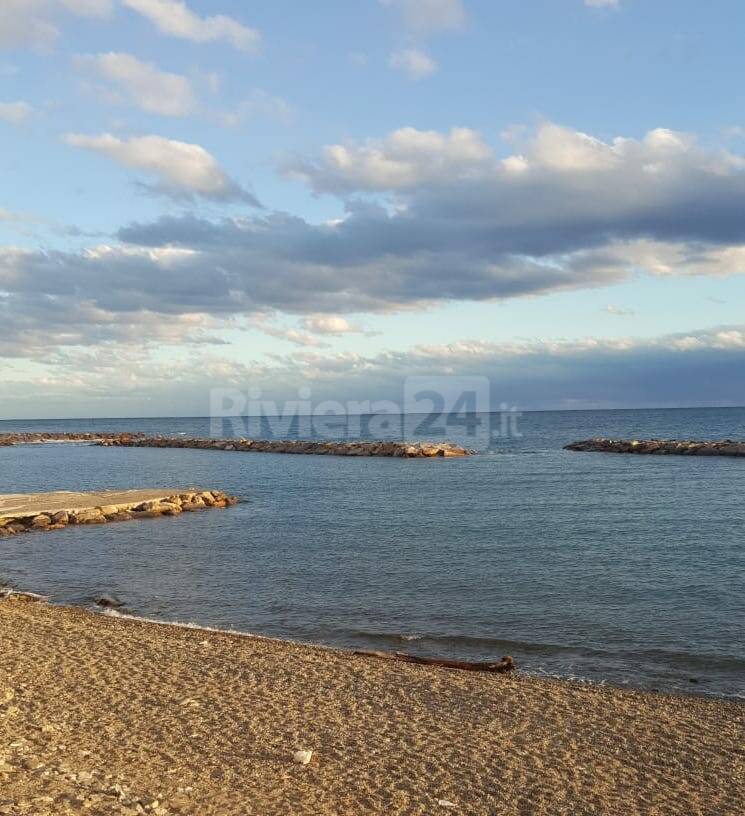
x=612, y=568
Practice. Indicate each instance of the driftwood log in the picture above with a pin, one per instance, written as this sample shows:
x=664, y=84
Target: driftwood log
x=506, y=664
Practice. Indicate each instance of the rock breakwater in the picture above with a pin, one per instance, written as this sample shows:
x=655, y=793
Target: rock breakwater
x=398, y=449
x=660, y=447
x=37, y=438
x=40, y=512
x=405, y=450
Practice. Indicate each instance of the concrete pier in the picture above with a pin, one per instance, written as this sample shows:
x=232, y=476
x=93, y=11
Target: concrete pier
x=39, y=512
x=39, y=438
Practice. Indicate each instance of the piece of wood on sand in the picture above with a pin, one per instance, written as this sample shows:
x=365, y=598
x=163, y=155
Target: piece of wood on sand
x=503, y=666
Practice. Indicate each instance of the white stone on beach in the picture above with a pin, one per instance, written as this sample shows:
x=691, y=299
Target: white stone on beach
x=302, y=757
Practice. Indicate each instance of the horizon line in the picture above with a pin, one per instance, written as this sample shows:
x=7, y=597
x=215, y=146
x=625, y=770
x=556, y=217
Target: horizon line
x=421, y=413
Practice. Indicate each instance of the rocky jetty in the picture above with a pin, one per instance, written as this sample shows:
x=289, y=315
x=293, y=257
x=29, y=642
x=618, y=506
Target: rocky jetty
x=8, y=439
x=660, y=447
x=39, y=512
x=405, y=450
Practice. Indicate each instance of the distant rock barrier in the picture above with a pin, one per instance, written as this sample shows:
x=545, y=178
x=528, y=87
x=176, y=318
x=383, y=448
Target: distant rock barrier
x=53, y=511
x=660, y=447
x=8, y=439
x=403, y=450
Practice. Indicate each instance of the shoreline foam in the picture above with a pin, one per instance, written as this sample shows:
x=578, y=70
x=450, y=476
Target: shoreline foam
x=116, y=612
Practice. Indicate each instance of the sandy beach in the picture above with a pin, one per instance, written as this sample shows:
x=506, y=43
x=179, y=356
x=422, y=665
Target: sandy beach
x=103, y=715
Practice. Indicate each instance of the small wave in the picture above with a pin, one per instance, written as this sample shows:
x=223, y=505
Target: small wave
x=521, y=451
x=471, y=642
x=691, y=659
x=455, y=643
x=9, y=592
x=505, y=645
x=127, y=616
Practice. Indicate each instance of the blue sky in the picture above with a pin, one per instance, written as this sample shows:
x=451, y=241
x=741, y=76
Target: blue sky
x=338, y=195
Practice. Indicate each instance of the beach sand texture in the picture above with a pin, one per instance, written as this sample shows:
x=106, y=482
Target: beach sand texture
x=101, y=715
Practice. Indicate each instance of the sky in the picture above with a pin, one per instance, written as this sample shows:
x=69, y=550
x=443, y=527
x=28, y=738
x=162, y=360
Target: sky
x=332, y=197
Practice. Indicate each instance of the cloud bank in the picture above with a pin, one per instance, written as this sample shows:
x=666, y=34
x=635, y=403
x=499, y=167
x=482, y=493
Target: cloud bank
x=414, y=63
x=700, y=368
x=429, y=218
x=442, y=219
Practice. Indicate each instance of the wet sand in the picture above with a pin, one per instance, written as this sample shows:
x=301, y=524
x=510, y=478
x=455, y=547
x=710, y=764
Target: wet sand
x=102, y=715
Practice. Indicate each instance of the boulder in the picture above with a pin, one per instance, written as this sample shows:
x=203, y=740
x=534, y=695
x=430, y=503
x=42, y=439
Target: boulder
x=91, y=516
x=146, y=514
x=121, y=515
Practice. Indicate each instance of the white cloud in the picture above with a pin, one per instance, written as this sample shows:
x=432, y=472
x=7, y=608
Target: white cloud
x=294, y=336
x=88, y=8
x=414, y=63
x=429, y=16
x=406, y=158
x=601, y=3
x=259, y=103
x=145, y=86
x=618, y=311
x=180, y=168
x=560, y=190
x=34, y=22
x=562, y=149
x=27, y=22
x=669, y=259
x=176, y=19
x=331, y=324
x=15, y=112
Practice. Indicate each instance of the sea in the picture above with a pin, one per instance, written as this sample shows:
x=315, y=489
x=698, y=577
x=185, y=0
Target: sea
x=603, y=568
